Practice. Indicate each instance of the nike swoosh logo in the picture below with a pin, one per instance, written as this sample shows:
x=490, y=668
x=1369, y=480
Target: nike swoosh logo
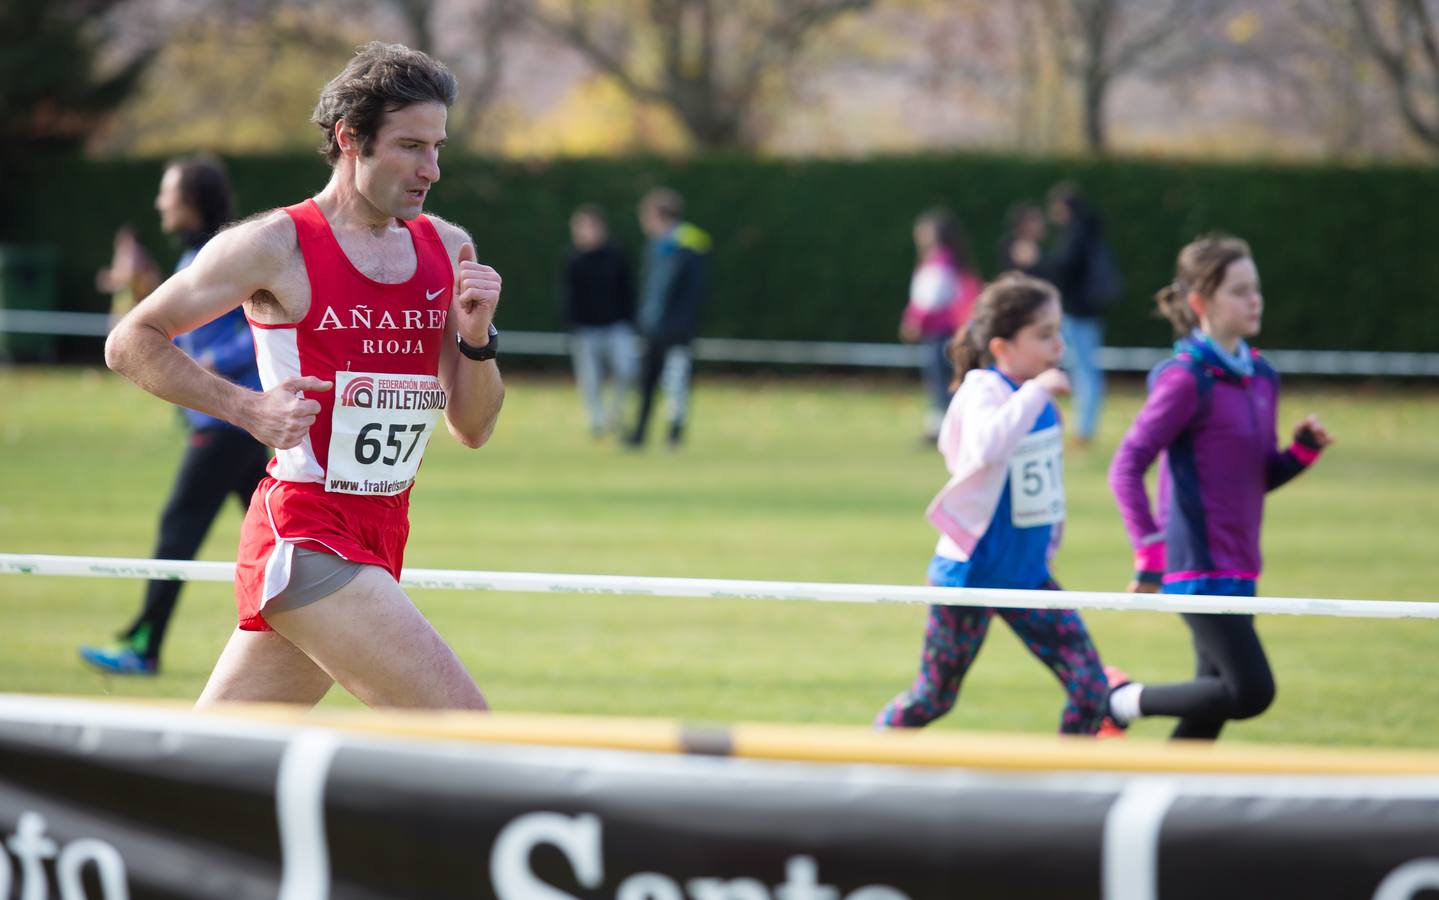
x=430, y=295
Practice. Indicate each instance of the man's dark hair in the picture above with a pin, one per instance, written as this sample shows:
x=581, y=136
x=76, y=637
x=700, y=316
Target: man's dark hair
x=381, y=78
x=205, y=186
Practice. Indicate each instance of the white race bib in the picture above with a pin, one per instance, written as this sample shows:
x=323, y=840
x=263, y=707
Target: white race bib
x=1036, y=479
x=379, y=430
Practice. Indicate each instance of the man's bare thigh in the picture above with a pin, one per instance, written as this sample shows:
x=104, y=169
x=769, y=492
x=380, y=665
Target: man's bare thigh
x=264, y=667
x=372, y=639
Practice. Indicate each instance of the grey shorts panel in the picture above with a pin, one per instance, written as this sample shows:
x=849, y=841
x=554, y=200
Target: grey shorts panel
x=313, y=574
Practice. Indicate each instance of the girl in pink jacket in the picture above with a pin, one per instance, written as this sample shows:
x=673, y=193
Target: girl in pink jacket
x=942, y=292
x=1001, y=513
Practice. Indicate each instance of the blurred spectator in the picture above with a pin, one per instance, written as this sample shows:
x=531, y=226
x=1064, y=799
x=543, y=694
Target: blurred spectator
x=674, y=287
x=942, y=292
x=599, y=313
x=131, y=275
x=220, y=459
x=1023, y=242
x=1082, y=267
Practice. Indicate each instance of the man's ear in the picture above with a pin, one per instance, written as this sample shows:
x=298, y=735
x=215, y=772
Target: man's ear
x=346, y=139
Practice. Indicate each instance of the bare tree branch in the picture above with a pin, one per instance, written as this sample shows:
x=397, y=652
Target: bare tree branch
x=576, y=31
x=709, y=74
x=1413, y=22
x=1104, y=40
x=1425, y=27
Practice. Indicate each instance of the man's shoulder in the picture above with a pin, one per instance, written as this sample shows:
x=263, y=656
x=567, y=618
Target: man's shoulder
x=453, y=236
x=269, y=235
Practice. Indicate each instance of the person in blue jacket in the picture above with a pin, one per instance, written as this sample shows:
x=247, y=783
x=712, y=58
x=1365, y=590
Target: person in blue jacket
x=220, y=460
x=674, y=289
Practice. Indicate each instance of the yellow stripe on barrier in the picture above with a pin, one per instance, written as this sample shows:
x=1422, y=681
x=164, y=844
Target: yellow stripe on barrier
x=839, y=744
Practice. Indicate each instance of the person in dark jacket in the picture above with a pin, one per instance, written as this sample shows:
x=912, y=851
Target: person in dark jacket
x=221, y=460
x=674, y=287
x=599, y=295
x=1083, y=269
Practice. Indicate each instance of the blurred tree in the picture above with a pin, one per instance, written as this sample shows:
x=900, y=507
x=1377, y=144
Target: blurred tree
x=1400, y=35
x=476, y=43
x=235, y=79
x=1323, y=88
x=596, y=117
x=1100, y=41
x=55, y=90
x=242, y=76
x=707, y=60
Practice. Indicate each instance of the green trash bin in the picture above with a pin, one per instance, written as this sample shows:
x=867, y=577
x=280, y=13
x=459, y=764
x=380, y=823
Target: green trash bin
x=27, y=283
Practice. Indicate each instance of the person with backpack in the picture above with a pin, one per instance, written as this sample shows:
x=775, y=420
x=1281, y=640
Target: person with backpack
x=1211, y=414
x=674, y=290
x=1083, y=268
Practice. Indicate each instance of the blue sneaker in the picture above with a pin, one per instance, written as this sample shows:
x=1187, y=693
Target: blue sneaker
x=120, y=660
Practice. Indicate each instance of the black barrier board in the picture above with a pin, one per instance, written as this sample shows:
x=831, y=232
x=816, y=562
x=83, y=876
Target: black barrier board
x=174, y=806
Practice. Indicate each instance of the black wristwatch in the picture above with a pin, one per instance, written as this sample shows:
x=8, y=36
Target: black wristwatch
x=480, y=354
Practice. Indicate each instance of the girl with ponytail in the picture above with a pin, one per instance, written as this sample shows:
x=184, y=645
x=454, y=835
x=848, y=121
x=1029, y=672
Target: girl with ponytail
x=1210, y=420
x=1001, y=513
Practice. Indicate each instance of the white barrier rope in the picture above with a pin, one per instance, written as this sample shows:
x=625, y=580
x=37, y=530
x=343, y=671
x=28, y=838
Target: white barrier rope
x=730, y=589
x=831, y=353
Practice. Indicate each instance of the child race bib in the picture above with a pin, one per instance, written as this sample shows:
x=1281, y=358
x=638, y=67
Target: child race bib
x=379, y=429
x=1036, y=479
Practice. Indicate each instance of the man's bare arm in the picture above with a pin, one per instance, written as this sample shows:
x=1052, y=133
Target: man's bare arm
x=475, y=389
x=233, y=266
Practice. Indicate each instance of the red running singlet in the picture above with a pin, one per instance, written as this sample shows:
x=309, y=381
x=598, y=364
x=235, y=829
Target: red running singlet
x=345, y=488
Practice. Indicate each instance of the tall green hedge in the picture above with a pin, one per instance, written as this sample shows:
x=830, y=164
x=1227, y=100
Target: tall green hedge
x=820, y=250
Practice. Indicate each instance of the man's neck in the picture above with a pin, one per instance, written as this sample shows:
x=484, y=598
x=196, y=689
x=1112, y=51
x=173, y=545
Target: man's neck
x=346, y=208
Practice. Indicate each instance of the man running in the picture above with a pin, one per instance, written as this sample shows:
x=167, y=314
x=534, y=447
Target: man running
x=371, y=322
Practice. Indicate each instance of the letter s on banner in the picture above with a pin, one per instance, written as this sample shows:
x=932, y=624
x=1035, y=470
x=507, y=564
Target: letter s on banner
x=578, y=838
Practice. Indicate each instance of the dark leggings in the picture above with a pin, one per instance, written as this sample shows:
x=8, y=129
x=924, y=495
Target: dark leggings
x=1232, y=679
x=1057, y=638
x=652, y=366
x=218, y=462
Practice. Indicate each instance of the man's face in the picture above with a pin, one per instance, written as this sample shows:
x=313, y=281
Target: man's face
x=176, y=214
x=404, y=160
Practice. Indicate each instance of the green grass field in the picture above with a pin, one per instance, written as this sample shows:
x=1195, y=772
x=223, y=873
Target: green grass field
x=789, y=480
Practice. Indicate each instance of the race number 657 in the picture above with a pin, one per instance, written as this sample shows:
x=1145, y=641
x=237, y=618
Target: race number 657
x=368, y=446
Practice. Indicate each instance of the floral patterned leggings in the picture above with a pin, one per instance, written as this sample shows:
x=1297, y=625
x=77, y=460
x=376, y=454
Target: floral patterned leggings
x=1057, y=637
